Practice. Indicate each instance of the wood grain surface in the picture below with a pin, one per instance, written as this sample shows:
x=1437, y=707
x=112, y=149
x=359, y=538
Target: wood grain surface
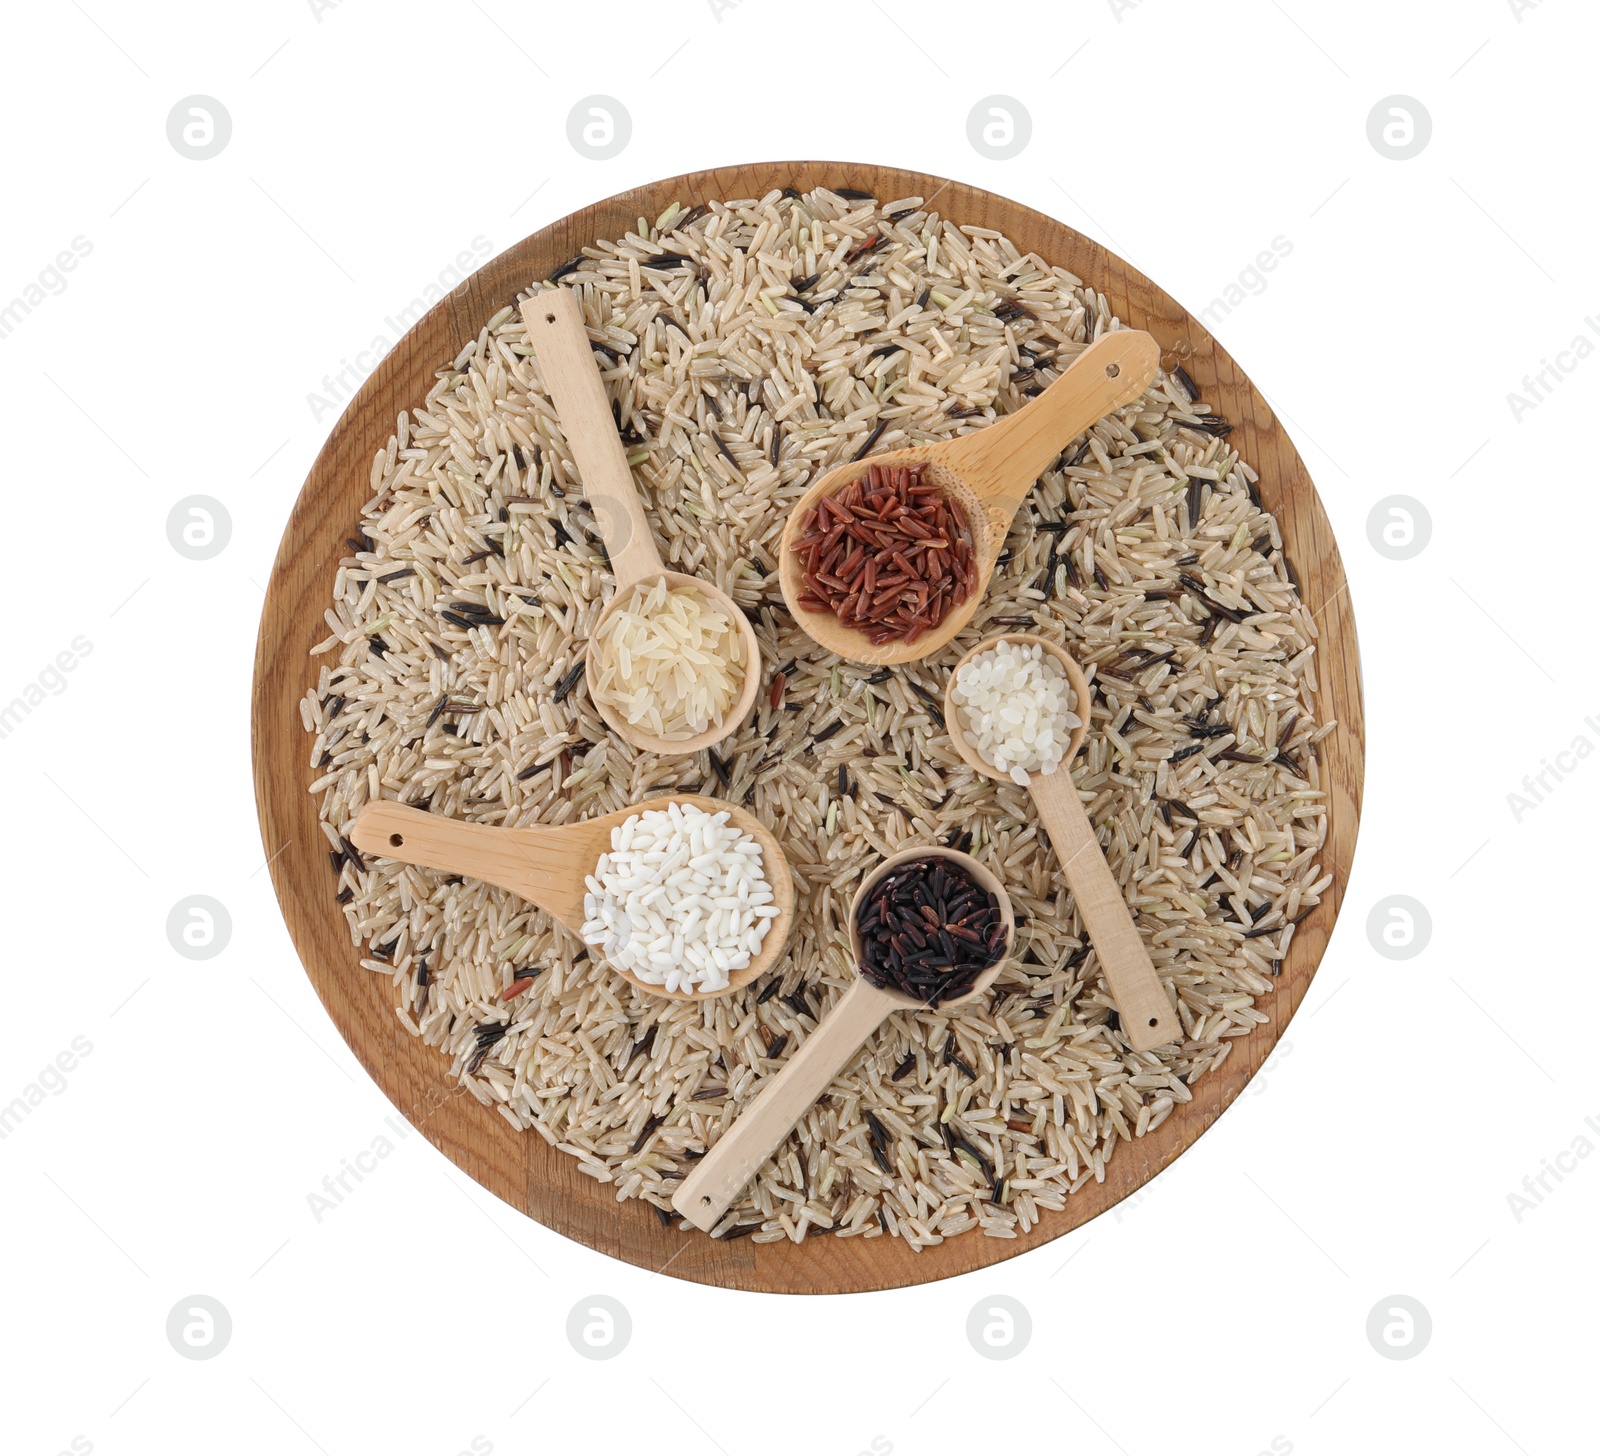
x=520, y=1167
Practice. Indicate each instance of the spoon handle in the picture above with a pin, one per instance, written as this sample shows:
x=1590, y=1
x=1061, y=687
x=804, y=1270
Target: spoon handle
x=544, y=866
x=561, y=345
x=1002, y=463
x=1148, y=1019
x=720, y=1176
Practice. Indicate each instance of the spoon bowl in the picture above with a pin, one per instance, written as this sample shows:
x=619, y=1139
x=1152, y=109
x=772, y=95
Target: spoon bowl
x=547, y=865
x=1148, y=1018
x=984, y=877
x=989, y=473
x=704, y=1196
x=730, y=721
x=957, y=726
x=560, y=342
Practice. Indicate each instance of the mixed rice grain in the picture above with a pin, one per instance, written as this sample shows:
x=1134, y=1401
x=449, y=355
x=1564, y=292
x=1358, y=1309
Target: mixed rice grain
x=451, y=679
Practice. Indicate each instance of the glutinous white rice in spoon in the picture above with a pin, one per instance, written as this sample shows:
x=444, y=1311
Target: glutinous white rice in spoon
x=680, y=900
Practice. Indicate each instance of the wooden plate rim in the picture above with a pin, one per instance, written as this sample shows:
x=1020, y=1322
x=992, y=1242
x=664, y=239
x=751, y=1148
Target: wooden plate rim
x=521, y=1168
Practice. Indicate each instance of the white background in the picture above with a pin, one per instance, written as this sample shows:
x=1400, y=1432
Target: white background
x=1223, y=1309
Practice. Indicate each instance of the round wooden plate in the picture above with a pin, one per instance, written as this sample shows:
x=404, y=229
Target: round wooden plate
x=520, y=1167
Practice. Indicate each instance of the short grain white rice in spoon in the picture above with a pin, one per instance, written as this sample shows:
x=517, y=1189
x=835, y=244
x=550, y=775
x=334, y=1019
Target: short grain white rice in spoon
x=1017, y=709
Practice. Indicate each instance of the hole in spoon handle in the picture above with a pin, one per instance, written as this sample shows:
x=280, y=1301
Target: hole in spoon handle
x=736, y=1157
x=551, y=878
x=1148, y=1019
x=560, y=343
x=1004, y=460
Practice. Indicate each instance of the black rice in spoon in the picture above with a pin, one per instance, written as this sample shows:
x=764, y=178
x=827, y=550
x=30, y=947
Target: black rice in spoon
x=928, y=929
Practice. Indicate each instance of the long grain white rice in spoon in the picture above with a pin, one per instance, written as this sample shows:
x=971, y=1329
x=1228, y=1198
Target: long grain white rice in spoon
x=669, y=660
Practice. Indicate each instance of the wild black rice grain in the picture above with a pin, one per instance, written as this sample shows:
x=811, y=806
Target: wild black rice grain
x=567, y=683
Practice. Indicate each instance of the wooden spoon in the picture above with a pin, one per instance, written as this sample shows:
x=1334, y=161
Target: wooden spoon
x=718, y=1178
x=1148, y=1019
x=548, y=865
x=561, y=344
x=990, y=472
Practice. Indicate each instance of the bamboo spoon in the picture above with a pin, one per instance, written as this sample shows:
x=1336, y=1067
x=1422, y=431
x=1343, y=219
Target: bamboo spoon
x=560, y=343
x=990, y=472
x=703, y=1197
x=548, y=865
x=1148, y=1019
